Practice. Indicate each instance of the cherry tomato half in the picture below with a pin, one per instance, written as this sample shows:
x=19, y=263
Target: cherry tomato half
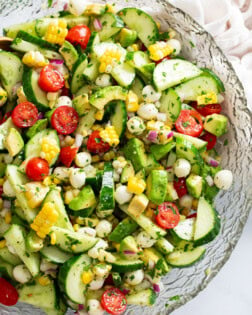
x=67, y=155
x=168, y=215
x=114, y=301
x=180, y=186
x=207, y=109
x=65, y=120
x=79, y=34
x=189, y=123
x=5, y=117
x=95, y=144
x=8, y=294
x=24, y=115
x=163, y=59
x=50, y=79
x=210, y=138
x=37, y=169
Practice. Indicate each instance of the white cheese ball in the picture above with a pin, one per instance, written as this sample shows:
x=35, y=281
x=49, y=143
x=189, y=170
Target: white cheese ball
x=150, y=94
x=182, y=168
x=134, y=277
x=103, y=228
x=47, y=265
x=186, y=201
x=76, y=7
x=94, y=307
x=8, y=190
x=122, y=195
x=136, y=125
x=77, y=177
x=223, y=179
x=103, y=80
x=83, y=159
x=64, y=101
x=88, y=231
x=62, y=173
x=147, y=111
x=176, y=45
x=94, y=251
x=96, y=284
x=144, y=240
x=21, y=274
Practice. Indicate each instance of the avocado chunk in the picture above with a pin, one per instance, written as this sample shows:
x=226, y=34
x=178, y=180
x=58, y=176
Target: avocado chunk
x=33, y=243
x=157, y=186
x=135, y=152
x=127, y=172
x=127, y=37
x=4, y=130
x=14, y=142
x=126, y=227
x=81, y=104
x=138, y=205
x=84, y=200
x=161, y=267
x=128, y=248
x=194, y=184
x=216, y=124
x=151, y=163
x=171, y=194
x=159, y=151
x=69, y=54
x=107, y=94
x=39, y=125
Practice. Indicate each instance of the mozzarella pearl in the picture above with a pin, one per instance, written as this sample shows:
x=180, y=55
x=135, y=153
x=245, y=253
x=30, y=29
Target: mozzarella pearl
x=87, y=230
x=186, y=201
x=223, y=179
x=21, y=274
x=134, y=277
x=8, y=190
x=103, y=228
x=150, y=94
x=147, y=111
x=176, y=45
x=96, y=284
x=94, y=251
x=46, y=265
x=122, y=195
x=77, y=177
x=64, y=101
x=182, y=168
x=94, y=307
x=83, y=159
x=76, y=7
x=144, y=240
x=136, y=125
x=103, y=80
x=62, y=173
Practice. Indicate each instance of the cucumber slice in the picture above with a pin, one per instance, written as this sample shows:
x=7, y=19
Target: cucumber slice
x=73, y=242
x=33, y=146
x=15, y=237
x=144, y=298
x=191, y=89
x=86, y=122
x=172, y=72
x=107, y=199
x=32, y=90
x=123, y=265
x=78, y=69
x=182, y=259
x=55, y=255
x=111, y=25
x=8, y=257
x=29, y=27
x=105, y=95
x=164, y=246
x=184, y=230
x=70, y=280
x=221, y=87
x=11, y=72
x=142, y=23
x=198, y=143
x=36, y=40
x=207, y=225
x=93, y=40
x=95, y=180
x=170, y=104
x=39, y=125
x=6, y=269
x=137, y=88
x=124, y=74
x=119, y=118
x=127, y=172
x=126, y=227
x=92, y=70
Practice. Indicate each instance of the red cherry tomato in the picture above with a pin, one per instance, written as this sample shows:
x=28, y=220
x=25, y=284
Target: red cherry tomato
x=207, y=109
x=8, y=294
x=95, y=144
x=210, y=138
x=37, y=169
x=168, y=215
x=189, y=123
x=114, y=301
x=193, y=215
x=180, y=187
x=5, y=117
x=163, y=59
x=65, y=120
x=25, y=115
x=67, y=155
x=50, y=79
x=79, y=35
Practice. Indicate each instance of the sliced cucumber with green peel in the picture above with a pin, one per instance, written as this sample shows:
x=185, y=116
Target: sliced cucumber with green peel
x=182, y=259
x=111, y=25
x=86, y=122
x=221, y=87
x=39, y=125
x=142, y=23
x=164, y=246
x=126, y=227
x=106, y=198
x=171, y=72
x=143, y=298
x=170, y=104
x=92, y=70
x=77, y=77
x=6, y=269
x=29, y=27
x=107, y=94
x=137, y=87
x=124, y=74
x=93, y=40
x=119, y=118
x=36, y=40
x=122, y=265
x=207, y=225
x=184, y=230
x=127, y=172
x=55, y=255
x=8, y=257
x=198, y=143
x=32, y=90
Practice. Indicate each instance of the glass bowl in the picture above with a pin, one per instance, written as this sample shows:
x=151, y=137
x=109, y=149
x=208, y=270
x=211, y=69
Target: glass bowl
x=181, y=285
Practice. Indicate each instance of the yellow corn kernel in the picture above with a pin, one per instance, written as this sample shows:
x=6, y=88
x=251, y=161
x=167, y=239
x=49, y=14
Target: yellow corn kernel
x=73, y=247
x=109, y=156
x=160, y=50
x=56, y=32
x=132, y=102
x=195, y=204
x=53, y=238
x=8, y=217
x=34, y=59
x=110, y=136
x=99, y=114
x=87, y=276
x=110, y=8
x=47, y=181
x=3, y=96
x=209, y=98
x=56, y=181
x=2, y=243
x=49, y=149
x=136, y=185
x=94, y=9
x=158, y=24
x=1, y=181
x=97, y=127
x=44, y=281
x=76, y=227
x=108, y=59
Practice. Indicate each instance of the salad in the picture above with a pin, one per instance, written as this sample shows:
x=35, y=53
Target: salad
x=108, y=167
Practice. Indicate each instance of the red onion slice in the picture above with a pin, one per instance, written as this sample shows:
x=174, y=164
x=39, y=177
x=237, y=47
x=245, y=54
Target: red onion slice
x=129, y=252
x=57, y=61
x=97, y=25
x=156, y=288
x=152, y=135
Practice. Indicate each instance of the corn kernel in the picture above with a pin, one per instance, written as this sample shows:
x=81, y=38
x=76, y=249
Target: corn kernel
x=34, y=59
x=110, y=8
x=110, y=136
x=8, y=217
x=108, y=156
x=97, y=127
x=136, y=185
x=3, y=96
x=49, y=149
x=160, y=50
x=99, y=115
x=44, y=281
x=73, y=247
x=76, y=227
x=209, y=98
x=158, y=24
x=132, y=102
x=56, y=32
x=195, y=204
x=2, y=243
x=87, y=276
x=47, y=181
x=53, y=238
x=108, y=59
